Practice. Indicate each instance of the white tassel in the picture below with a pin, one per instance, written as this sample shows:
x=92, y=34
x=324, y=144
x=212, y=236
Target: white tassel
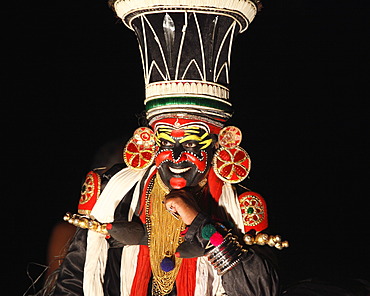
x=218, y=289
x=229, y=200
x=204, y=277
x=208, y=282
x=128, y=268
x=96, y=258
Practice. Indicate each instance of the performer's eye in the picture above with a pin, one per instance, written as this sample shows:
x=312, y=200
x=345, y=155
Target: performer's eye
x=166, y=143
x=190, y=145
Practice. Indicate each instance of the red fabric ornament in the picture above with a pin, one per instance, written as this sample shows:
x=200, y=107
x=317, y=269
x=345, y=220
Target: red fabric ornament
x=216, y=239
x=182, y=233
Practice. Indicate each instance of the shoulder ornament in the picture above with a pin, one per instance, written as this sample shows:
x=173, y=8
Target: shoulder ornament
x=254, y=211
x=90, y=192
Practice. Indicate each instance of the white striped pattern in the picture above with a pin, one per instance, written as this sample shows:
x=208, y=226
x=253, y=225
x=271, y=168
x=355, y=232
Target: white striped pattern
x=244, y=8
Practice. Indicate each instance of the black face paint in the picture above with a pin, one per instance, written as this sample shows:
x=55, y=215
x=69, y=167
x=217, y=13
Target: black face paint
x=184, y=156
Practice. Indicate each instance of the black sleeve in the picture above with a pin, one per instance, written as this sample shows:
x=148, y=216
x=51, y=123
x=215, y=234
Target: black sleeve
x=70, y=275
x=254, y=275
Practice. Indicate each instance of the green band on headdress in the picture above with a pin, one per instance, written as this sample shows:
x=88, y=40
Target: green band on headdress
x=191, y=101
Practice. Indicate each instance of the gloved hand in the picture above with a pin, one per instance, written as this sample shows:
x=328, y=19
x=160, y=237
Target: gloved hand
x=194, y=244
x=127, y=233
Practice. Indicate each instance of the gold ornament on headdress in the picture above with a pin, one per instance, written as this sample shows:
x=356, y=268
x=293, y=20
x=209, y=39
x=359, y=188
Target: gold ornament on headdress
x=164, y=238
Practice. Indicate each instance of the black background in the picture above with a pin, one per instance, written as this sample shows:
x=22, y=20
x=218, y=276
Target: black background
x=298, y=83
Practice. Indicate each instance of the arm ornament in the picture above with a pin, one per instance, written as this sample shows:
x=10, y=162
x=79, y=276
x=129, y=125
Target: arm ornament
x=225, y=251
x=265, y=239
x=226, y=255
x=86, y=223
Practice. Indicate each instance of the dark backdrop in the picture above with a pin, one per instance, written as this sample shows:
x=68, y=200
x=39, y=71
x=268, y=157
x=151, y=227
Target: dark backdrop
x=298, y=85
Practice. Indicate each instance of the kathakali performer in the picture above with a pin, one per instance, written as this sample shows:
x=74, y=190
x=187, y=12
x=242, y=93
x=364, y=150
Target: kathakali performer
x=173, y=219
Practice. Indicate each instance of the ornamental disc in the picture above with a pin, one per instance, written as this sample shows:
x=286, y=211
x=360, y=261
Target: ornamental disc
x=231, y=164
x=140, y=150
x=230, y=137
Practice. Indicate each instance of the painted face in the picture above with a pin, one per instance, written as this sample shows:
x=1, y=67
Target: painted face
x=184, y=155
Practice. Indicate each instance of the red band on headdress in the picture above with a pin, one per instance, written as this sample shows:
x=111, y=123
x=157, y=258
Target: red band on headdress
x=179, y=123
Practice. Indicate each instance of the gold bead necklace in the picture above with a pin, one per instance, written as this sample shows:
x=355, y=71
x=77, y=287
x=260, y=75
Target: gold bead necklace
x=163, y=238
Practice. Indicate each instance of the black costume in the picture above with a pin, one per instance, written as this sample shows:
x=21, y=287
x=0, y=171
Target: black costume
x=256, y=273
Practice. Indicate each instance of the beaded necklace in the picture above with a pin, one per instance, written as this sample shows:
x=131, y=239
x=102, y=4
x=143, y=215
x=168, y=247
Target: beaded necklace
x=163, y=238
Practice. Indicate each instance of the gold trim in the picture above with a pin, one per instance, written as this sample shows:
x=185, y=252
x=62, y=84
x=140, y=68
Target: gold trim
x=84, y=212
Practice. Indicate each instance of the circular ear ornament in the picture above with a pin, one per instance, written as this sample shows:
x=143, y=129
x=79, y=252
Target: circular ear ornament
x=231, y=164
x=140, y=150
x=230, y=137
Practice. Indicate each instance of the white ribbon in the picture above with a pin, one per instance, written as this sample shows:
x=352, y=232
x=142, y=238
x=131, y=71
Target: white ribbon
x=97, y=247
